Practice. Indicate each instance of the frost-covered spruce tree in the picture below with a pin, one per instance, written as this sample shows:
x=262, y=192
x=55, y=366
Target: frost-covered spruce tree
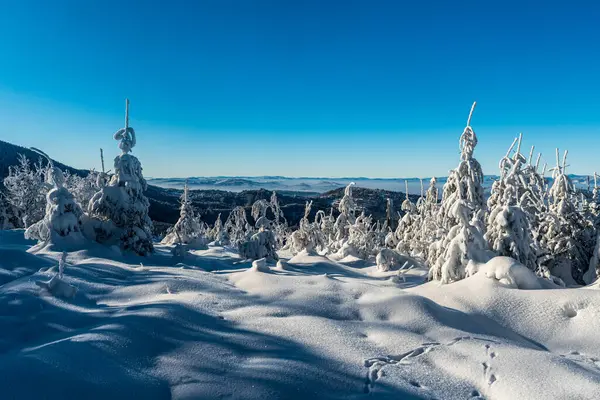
x=465, y=182
x=280, y=229
x=427, y=231
x=188, y=229
x=259, y=214
x=217, y=233
x=308, y=237
x=61, y=225
x=509, y=230
x=564, y=231
x=461, y=216
x=405, y=232
x=347, y=208
x=326, y=223
x=82, y=188
x=262, y=244
x=119, y=211
x=26, y=190
x=236, y=226
x=362, y=238
x=593, y=271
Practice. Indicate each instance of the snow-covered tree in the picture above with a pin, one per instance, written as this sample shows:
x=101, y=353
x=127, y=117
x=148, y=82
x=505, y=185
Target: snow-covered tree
x=188, y=230
x=513, y=204
x=564, y=232
x=82, y=188
x=461, y=216
x=236, y=226
x=262, y=244
x=593, y=271
x=326, y=223
x=465, y=182
x=280, y=229
x=309, y=236
x=347, y=208
x=61, y=224
x=26, y=190
x=119, y=211
x=259, y=214
x=217, y=233
x=362, y=238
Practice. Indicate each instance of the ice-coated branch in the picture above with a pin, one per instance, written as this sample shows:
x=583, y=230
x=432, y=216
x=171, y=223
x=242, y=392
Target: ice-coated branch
x=530, y=155
x=471, y=113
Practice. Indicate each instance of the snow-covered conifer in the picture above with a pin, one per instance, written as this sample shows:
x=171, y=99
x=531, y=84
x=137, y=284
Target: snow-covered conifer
x=119, y=211
x=217, y=233
x=61, y=224
x=564, y=231
x=461, y=216
x=188, y=230
x=509, y=231
x=262, y=244
x=347, y=208
x=308, y=237
x=237, y=227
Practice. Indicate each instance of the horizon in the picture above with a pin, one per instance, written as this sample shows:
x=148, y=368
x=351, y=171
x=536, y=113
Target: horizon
x=334, y=89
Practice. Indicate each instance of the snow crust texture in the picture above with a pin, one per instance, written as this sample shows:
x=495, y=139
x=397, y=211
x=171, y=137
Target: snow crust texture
x=215, y=326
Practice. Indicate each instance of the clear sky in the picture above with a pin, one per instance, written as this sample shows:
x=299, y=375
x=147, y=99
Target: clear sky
x=301, y=88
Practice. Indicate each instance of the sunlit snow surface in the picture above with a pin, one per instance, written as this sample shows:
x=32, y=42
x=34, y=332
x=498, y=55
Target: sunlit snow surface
x=213, y=327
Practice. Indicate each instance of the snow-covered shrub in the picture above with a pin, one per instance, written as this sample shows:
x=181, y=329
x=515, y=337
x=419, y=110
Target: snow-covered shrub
x=119, y=211
x=347, y=208
x=386, y=259
x=26, y=190
x=309, y=236
x=237, y=228
x=259, y=214
x=509, y=272
x=280, y=229
x=362, y=238
x=262, y=244
x=217, y=232
x=188, y=229
x=82, y=188
x=61, y=224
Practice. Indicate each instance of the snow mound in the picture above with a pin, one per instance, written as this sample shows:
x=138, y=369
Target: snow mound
x=507, y=271
x=260, y=265
x=58, y=287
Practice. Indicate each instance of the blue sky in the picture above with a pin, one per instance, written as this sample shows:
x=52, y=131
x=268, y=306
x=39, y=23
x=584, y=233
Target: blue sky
x=301, y=88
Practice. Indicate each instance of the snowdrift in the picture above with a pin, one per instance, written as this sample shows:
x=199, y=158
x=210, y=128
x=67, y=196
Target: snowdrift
x=214, y=326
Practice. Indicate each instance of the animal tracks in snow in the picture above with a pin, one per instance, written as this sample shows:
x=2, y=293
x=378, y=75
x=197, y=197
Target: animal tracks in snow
x=488, y=375
x=376, y=365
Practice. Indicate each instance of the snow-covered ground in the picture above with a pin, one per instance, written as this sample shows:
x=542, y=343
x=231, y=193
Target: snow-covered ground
x=214, y=327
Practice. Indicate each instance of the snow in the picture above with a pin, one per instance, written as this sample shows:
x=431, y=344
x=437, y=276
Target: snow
x=212, y=326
